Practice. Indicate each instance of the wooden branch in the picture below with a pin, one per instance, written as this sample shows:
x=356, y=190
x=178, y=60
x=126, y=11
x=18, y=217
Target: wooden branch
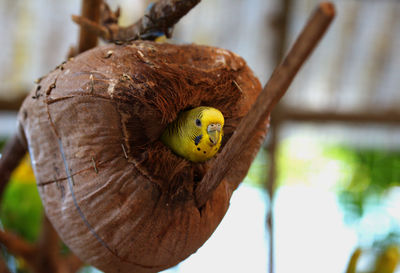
x=72, y=263
x=3, y=266
x=91, y=11
x=13, y=104
x=17, y=246
x=44, y=256
x=48, y=256
x=11, y=155
x=289, y=114
x=272, y=93
x=160, y=19
x=279, y=23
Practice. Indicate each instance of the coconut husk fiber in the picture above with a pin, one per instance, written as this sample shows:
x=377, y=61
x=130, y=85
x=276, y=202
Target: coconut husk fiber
x=119, y=198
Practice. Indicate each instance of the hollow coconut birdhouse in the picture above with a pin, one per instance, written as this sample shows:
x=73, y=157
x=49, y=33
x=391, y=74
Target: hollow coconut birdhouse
x=118, y=197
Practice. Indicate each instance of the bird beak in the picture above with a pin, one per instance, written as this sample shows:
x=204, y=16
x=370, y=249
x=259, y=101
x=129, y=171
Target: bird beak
x=214, y=131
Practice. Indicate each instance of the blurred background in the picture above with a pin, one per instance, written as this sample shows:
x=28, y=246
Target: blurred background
x=323, y=194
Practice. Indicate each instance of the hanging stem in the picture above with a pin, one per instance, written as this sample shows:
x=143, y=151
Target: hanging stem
x=268, y=98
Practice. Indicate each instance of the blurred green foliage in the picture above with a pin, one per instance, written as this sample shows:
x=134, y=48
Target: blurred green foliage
x=2, y=143
x=258, y=171
x=363, y=180
x=374, y=172
x=361, y=177
x=21, y=210
x=307, y=161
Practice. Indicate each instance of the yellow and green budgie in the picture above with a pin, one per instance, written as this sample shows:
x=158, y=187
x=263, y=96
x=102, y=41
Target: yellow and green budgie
x=196, y=134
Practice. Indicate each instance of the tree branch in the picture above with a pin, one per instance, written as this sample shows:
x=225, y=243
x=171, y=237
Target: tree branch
x=72, y=263
x=3, y=266
x=91, y=11
x=11, y=155
x=268, y=98
x=285, y=114
x=16, y=245
x=49, y=246
x=13, y=104
x=159, y=20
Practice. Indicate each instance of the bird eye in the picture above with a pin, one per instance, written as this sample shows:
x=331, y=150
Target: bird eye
x=198, y=122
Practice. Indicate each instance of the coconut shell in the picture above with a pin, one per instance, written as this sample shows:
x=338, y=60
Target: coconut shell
x=119, y=198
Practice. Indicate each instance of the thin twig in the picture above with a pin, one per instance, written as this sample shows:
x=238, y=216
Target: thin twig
x=268, y=98
x=159, y=20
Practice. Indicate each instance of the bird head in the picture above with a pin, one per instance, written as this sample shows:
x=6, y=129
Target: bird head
x=211, y=122
x=196, y=134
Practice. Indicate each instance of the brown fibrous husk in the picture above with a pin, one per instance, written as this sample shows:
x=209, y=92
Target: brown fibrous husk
x=119, y=198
